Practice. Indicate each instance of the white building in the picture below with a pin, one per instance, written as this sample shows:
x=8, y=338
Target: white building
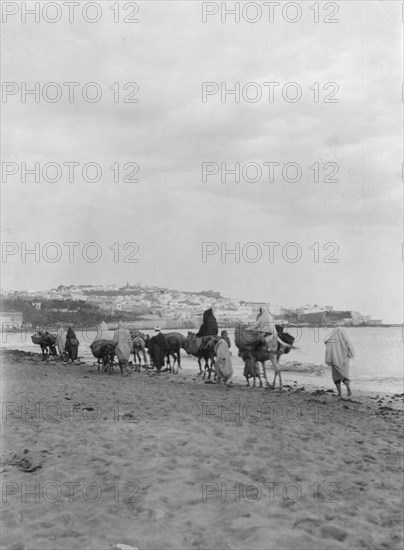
x=245, y=310
x=356, y=316
x=165, y=299
x=311, y=309
x=276, y=310
x=10, y=319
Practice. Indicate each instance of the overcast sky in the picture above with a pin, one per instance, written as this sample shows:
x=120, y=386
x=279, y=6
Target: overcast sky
x=171, y=132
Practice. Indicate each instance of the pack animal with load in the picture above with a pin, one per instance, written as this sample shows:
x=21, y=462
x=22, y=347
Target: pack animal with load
x=104, y=351
x=203, y=348
x=47, y=342
x=253, y=349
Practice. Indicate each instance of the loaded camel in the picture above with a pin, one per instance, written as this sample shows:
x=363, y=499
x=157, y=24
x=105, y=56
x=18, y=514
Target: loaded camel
x=262, y=342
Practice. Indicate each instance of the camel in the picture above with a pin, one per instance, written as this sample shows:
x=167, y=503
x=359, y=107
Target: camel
x=254, y=349
x=275, y=359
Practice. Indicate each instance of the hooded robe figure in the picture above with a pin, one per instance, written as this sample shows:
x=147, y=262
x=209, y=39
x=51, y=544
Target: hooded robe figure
x=157, y=350
x=223, y=364
x=103, y=332
x=61, y=340
x=72, y=344
x=338, y=352
x=265, y=323
x=123, y=345
x=209, y=324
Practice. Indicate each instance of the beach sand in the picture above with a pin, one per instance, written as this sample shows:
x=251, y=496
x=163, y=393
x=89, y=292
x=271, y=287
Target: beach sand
x=90, y=461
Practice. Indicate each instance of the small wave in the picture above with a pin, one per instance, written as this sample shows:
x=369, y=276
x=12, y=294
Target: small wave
x=311, y=368
x=381, y=379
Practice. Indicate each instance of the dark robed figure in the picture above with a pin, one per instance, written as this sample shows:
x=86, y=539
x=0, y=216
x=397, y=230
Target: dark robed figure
x=157, y=350
x=72, y=344
x=209, y=325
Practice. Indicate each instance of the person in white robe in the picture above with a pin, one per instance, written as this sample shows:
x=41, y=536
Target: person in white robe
x=338, y=353
x=223, y=363
x=61, y=341
x=103, y=332
x=265, y=323
x=123, y=345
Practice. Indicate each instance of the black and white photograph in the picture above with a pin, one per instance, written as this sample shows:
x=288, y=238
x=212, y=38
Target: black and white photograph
x=202, y=275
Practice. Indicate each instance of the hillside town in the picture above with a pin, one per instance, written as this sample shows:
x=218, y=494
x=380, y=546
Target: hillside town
x=148, y=305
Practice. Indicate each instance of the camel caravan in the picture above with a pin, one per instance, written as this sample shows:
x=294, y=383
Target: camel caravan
x=257, y=343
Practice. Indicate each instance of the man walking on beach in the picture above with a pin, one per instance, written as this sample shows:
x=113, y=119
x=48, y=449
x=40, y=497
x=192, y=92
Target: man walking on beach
x=338, y=352
x=223, y=364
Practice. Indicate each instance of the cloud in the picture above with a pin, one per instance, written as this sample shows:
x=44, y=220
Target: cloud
x=171, y=132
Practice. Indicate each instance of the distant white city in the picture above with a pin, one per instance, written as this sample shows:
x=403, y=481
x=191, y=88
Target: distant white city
x=149, y=302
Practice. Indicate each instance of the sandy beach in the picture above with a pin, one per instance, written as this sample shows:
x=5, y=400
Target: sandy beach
x=92, y=461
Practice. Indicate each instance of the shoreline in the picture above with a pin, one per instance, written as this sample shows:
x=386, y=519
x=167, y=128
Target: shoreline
x=374, y=369
x=293, y=380
x=305, y=376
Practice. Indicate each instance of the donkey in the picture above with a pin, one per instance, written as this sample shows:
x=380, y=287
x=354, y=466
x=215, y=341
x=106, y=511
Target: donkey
x=174, y=343
x=139, y=347
x=202, y=348
x=47, y=343
x=104, y=352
